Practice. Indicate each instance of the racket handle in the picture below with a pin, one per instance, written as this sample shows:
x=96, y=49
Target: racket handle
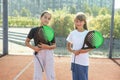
x=35, y=53
x=39, y=62
x=88, y=48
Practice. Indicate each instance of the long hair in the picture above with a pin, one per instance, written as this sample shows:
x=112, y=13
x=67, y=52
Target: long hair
x=81, y=16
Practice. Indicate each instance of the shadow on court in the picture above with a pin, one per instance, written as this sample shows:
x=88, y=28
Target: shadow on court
x=117, y=61
x=14, y=67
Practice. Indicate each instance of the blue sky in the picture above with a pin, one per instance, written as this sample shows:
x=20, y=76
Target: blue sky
x=117, y=3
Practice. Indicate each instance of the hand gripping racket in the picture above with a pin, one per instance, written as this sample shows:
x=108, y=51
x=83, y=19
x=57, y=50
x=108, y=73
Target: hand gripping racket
x=45, y=34
x=93, y=39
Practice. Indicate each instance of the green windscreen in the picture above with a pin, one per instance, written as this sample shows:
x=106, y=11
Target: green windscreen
x=98, y=39
x=48, y=33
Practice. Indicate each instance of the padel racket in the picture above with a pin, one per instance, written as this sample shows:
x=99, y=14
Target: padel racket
x=45, y=34
x=93, y=39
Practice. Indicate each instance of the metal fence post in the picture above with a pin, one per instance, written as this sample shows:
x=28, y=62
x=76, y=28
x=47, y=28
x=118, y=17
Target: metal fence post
x=5, y=27
x=111, y=30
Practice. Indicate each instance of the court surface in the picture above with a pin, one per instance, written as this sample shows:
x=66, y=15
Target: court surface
x=16, y=67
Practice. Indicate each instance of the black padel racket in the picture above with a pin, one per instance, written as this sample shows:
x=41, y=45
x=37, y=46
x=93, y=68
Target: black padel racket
x=93, y=39
x=45, y=34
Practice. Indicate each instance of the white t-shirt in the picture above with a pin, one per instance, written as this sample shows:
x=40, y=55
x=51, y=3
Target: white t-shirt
x=77, y=40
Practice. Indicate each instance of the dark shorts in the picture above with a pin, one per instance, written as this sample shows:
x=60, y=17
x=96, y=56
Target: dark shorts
x=79, y=72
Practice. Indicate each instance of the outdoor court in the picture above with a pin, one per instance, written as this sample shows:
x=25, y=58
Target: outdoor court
x=16, y=67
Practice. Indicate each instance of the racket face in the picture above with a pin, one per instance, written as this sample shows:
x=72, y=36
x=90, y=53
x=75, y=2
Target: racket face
x=97, y=39
x=40, y=35
x=94, y=39
x=48, y=33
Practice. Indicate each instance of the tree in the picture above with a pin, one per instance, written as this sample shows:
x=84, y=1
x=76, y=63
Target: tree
x=72, y=9
x=25, y=12
x=104, y=11
x=118, y=11
x=15, y=13
x=87, y=10
x=117, y=26
x=95, y=9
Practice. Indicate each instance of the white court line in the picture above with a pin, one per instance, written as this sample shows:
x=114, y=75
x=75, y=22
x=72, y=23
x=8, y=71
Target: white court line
x=23, y=70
